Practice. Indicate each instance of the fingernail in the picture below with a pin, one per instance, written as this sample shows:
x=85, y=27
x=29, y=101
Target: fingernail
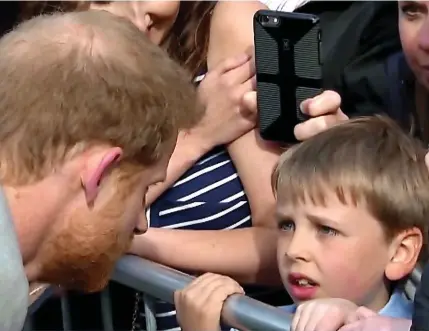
x=316, y=101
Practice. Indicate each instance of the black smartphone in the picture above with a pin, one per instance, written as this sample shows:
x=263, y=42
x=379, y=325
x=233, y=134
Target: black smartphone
x=288, y=69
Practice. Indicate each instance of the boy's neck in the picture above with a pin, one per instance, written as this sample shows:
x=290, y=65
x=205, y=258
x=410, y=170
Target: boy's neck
x=379, y=299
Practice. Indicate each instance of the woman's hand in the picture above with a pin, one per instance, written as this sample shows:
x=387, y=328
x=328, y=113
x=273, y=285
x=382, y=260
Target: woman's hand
x=325, y=112
x=221, y=93
x=324, y=109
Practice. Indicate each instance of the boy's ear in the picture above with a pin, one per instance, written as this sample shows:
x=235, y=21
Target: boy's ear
x=405, y=250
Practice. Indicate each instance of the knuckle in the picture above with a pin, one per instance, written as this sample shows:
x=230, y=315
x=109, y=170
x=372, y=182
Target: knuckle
x=225, y=81
x=300, y=308
x=320, y=124
x=236, y=96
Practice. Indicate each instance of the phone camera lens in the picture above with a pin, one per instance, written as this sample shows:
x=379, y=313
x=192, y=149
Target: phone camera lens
x=265, y=19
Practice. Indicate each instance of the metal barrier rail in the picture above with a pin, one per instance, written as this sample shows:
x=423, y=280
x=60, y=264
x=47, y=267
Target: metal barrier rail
x=158, y=281
x=161, y=282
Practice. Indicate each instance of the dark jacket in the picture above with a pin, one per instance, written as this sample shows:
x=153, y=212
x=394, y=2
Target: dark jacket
x=357, y=38
x=421, y=304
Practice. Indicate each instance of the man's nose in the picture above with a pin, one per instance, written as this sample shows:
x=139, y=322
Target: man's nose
x=142, y=223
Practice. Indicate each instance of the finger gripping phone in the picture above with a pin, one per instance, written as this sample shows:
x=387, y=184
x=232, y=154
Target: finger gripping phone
x=288, y=70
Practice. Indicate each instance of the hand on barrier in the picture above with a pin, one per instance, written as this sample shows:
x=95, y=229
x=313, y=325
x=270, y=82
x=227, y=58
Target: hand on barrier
x=365, y=319
x=199, y=305
x=322, y=315
x=325, y=112
x=221, y=92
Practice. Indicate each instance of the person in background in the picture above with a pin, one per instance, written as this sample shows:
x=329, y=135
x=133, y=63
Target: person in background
x=86, y=128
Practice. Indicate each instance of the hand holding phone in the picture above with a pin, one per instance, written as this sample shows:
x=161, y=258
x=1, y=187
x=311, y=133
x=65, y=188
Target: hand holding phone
x=288, y=70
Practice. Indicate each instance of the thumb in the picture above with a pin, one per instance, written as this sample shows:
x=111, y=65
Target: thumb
x=249, y=103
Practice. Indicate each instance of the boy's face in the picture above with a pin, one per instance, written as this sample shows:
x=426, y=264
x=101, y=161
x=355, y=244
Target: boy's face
x=336, y=250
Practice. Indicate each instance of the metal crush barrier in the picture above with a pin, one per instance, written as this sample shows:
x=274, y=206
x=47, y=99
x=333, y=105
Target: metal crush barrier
x=158, y=281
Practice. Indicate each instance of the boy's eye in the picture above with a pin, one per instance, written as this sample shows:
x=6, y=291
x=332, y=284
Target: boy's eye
x=286, y=225
x=326, y=230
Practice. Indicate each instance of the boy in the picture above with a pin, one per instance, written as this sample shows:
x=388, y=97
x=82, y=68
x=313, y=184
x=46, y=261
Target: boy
x=352, y=205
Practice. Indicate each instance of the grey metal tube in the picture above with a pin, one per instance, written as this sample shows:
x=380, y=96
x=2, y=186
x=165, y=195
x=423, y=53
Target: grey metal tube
x=106, y=310
x=65, y=310
x=160, y=282
x=149, y=312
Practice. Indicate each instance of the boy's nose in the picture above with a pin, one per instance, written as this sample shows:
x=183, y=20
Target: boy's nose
x=298, y=248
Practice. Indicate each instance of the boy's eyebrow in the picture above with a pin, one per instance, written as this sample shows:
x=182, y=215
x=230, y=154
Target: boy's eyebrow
x=322, y=220
x=281, y=215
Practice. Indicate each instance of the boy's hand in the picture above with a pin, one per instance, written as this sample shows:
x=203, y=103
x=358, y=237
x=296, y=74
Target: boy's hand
x=199, y=305
x=365, y=319
x=322, y=315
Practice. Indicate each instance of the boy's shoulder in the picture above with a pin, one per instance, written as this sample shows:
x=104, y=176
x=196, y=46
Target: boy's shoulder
x=399, y=306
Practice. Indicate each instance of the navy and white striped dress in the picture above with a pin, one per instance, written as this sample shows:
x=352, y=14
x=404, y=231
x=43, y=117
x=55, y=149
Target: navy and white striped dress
x=209, y=196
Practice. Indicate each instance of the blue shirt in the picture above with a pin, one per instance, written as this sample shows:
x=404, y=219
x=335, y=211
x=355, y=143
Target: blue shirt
x=398, y=306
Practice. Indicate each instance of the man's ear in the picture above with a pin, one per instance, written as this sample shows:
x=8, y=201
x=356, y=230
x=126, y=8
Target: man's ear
x=98, y=163
x=405, y=250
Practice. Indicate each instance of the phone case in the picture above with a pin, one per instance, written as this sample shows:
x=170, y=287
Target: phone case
x=288, y=70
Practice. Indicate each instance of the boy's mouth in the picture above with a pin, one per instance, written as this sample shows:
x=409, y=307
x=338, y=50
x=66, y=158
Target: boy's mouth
x=304, y=282
x=301, y=280
x=301, y=287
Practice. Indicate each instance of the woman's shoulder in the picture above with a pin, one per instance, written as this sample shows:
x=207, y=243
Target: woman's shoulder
x=231, y=28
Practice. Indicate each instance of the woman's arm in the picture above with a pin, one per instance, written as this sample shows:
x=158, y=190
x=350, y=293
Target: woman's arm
x=221, y=123
x=189, y=148
x=247, y=255
x=232, y=33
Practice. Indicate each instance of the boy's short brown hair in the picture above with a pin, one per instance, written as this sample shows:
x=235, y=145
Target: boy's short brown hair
x=81, y=78
x=367, y=160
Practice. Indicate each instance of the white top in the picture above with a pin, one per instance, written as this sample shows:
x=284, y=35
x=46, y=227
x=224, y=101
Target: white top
x=284, y=5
